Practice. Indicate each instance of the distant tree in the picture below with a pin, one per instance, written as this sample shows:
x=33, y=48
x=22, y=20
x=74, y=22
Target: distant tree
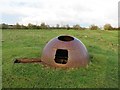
x=63, y=26
x=83, y=28
x=4, y=26
x=47, y=27
x=34, y=27
x=76, y=27
x=30, y=26
x=115, y=28
x=118, y=28
x=43, y=26
x=108, y=27
x=17, y=26
x=57, y=26
x=93, y=27
x=0, y=26
x=67, y=27
x=11, y=27
x=24, y=27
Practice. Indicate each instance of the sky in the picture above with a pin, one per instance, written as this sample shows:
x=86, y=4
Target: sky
x=119, y=14
x=62, y=12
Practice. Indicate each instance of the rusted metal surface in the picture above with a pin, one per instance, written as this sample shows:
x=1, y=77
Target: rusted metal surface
x=27, y=60
x=76, y=50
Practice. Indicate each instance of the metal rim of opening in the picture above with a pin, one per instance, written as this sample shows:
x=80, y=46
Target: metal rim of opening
x=65, y=38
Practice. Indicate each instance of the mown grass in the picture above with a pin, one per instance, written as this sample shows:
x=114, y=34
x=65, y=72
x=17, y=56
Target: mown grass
x=102, y=72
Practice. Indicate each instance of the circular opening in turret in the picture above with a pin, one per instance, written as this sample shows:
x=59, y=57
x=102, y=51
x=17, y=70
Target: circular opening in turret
x=65, y=38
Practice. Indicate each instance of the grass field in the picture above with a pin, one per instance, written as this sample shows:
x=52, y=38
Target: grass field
x=102, y=72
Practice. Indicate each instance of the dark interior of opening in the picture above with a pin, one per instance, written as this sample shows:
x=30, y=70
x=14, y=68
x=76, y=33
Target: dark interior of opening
x=61, y=56
x=65, y=38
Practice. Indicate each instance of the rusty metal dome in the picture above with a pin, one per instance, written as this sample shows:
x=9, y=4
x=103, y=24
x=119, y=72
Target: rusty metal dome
x=65, y=51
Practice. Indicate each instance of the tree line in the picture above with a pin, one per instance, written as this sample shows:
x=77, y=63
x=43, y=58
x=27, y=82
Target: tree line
x=45, y=26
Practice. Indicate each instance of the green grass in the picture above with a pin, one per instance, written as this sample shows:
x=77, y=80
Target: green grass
x=102, y=72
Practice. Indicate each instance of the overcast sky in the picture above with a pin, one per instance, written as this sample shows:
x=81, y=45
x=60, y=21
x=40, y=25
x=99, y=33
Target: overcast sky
x=52, y=12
